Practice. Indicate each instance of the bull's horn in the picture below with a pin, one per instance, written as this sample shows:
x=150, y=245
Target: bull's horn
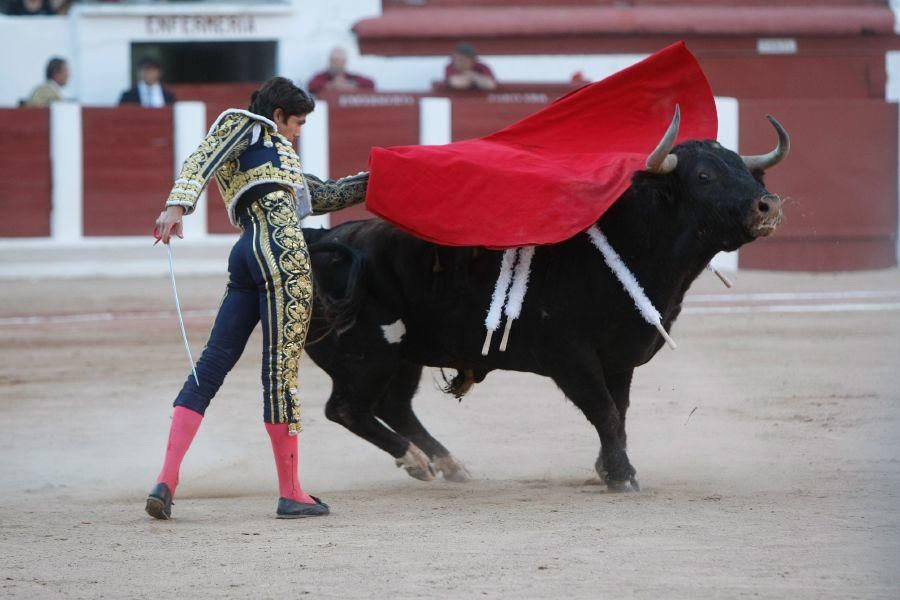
x=660, y=161
x=766, y=161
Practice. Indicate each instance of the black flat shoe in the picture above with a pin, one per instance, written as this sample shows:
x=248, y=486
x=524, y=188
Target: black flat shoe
x=159, y=502
x=291, y=509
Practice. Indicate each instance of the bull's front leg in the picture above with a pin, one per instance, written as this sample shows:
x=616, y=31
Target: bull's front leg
x=587, y=387
x=619, y=386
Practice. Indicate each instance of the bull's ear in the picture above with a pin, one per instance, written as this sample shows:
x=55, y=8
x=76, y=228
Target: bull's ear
x=759, y=175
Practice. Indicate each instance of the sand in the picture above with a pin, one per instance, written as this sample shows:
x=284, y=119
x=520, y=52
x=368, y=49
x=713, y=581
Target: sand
x=767, y=447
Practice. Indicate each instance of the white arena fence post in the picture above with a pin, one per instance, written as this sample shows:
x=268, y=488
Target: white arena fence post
x=729, y=125
x=188, y=130
x=434, y=121
x=67, y=209
x=314, y=148
x=892, y=94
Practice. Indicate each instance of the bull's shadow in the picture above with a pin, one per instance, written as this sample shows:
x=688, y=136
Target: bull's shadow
x=387, y=303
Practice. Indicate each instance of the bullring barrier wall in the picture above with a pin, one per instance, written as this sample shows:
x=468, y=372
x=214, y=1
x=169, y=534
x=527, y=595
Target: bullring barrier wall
x=82, y=173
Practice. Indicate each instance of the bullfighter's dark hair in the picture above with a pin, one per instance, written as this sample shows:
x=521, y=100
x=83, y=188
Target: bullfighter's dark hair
x=280, y=92
x=54, y=66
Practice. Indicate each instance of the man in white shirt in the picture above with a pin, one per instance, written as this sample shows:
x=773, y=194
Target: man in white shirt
x=149, y=91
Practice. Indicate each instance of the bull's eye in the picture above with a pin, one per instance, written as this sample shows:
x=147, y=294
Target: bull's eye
x=703, y=176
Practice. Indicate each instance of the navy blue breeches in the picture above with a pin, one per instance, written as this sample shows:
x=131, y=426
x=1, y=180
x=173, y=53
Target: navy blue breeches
x=269, y=280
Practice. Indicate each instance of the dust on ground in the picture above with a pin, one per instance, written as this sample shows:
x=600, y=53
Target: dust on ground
x=767, y=448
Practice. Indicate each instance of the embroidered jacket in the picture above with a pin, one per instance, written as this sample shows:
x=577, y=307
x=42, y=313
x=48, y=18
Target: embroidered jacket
x=242, y=150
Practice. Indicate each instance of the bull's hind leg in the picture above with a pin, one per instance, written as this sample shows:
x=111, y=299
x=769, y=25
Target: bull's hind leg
x=351, y=406
x=395, y=409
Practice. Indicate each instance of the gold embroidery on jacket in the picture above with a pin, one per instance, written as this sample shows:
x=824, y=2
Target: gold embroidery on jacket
x=218, y=155
x=229, y=139
x=329, y=196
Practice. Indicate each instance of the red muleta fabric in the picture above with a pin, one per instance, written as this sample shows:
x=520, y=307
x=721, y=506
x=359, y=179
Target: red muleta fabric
x=551, y=175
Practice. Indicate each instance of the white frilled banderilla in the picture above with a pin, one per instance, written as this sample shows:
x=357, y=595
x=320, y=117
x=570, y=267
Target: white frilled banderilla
x=512, y=283
x=509, y=294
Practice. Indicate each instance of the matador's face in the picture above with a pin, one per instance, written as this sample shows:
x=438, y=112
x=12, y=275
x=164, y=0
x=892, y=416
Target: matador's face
x=288, y=127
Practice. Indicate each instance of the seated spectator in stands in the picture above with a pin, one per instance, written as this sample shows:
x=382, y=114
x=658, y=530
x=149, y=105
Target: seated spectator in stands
x=30, y=7
x=466, y=72
x=57, y=74
x=60, y=7
x=148, y=91
x=337, y=79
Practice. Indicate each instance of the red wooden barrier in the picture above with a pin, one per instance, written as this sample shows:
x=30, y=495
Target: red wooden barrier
x=25, y=184
x=359, y=121
x=479, y=116
x=839, y=184
x=128, y=168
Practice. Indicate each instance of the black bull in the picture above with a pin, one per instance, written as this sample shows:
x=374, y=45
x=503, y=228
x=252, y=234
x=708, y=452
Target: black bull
x=388, y=304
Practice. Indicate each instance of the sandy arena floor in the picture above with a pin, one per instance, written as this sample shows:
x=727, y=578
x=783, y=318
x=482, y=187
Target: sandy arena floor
x=783, y=483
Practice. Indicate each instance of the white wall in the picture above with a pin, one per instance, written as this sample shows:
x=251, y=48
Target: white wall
x=315, y=29
x=97, y=40
x=103, y=35
x=27, y=44
x=416, y=73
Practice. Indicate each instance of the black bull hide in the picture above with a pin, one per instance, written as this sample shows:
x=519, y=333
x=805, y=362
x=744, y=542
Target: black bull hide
x=388, y=303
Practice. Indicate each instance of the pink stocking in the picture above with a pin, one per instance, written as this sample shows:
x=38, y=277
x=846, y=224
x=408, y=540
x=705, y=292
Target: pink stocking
x=284, y=447
x=185, y=423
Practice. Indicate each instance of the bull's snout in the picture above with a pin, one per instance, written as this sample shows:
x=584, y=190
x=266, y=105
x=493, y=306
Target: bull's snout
x=765, y=215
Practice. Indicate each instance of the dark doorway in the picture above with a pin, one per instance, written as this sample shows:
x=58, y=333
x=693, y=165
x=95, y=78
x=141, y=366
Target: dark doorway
x=209, y=62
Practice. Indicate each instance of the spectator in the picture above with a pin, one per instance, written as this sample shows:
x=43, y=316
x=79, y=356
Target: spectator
x=57, y=74
x=466, y=72
x=149, y=91
x=30, y=7
x=337, y=79
x=60, y=7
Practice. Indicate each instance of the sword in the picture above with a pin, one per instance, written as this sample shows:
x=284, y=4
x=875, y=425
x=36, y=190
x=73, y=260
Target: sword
x=187, y=346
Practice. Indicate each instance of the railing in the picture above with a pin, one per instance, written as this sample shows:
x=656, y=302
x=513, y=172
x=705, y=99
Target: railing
x=112, y=168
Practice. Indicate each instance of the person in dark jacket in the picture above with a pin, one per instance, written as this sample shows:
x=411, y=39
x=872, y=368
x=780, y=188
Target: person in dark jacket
x=148, y=91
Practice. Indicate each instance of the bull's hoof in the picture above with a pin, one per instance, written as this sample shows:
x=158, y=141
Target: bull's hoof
x=452, y=469
x=601, y=478
x=623, y=486
x=416, y=464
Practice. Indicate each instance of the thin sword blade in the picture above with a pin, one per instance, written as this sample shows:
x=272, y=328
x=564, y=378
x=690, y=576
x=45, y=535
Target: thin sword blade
x=187, y=346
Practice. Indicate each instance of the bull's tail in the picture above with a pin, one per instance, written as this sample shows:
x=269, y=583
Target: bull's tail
x=461, y=383
x=340, y=307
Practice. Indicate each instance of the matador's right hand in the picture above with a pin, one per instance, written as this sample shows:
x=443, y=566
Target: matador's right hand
x=168, y=223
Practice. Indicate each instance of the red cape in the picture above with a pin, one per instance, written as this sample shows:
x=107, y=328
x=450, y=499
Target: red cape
x=552, y=174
